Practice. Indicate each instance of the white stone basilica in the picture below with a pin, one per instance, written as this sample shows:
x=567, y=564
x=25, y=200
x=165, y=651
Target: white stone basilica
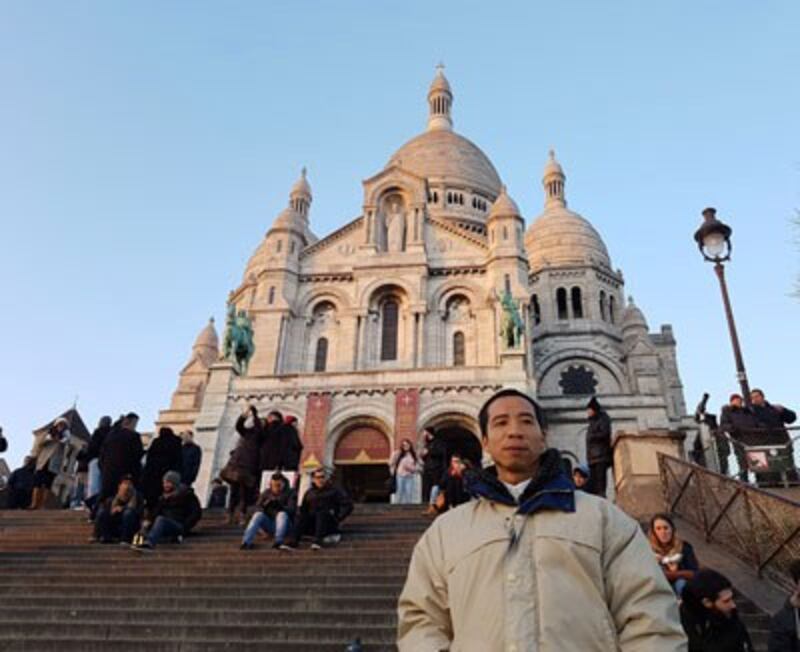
x=390, y=324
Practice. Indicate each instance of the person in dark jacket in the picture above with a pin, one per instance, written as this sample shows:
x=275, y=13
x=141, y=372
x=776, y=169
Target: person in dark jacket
x=219, y=494
x=119, y=518
x=164, y=454
x=291, y=446
x=739, y=423
x=784, y=628
x=580, y=477
x=20, y=485
x=272, y=442
x=434, y=465
x=191, y=455
x=453, y=485
x=599, y=455
x=708, y=615
x=674, y=555
x=276, y=507
x=95, y=481
x=121, y=455
x=322, y=511
x=177, y=512
x=770, y=420
x=242, y=471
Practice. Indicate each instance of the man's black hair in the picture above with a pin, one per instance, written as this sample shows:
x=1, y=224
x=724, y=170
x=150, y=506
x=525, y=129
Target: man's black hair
x=707, y=584
x=131, y=415
x=483, y=415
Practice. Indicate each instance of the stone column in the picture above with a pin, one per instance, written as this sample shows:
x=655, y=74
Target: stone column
x=318, y=409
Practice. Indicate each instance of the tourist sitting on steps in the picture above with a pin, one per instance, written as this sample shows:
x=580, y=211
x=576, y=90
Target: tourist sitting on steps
x=175, y=514
x=323, y=509
x=675, y=556
x=784, y=629
x=581, y=476
x=119, y=518
x=708, y=614
x=276, y=507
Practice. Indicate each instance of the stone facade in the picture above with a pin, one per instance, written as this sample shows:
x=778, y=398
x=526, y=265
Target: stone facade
x=391, y=323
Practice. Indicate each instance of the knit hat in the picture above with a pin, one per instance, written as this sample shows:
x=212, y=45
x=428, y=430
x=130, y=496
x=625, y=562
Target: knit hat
x=583, y=470
x=172, y=476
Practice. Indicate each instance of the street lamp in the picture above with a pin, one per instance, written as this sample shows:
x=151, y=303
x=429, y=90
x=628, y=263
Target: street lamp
x=714, y=241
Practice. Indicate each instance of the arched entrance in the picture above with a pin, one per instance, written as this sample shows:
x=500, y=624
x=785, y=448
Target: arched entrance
x=361, y=458
x=460, y=436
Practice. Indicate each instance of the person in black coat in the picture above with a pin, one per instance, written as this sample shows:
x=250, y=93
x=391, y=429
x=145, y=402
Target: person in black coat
x=164, y=454
x=434, y=463
x=708, y=615
x=176, y=513
x=242, y=472
x=121, y=455
x=20, y=485
x=453, y=485
x=739, y=422
x=784, y=628
x=272, y=442
x=770, y=420
x=599, y=455
x=323, y=509
x=191, y=455
x=290, y=445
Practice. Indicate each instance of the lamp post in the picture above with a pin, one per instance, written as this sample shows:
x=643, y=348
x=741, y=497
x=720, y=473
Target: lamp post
x=714, y=241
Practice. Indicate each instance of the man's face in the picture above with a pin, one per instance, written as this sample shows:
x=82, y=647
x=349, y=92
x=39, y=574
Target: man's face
x=756, y=398
x=579, y=479
x=123, y=488
x=276, y=486
x=318, y=479
x=132, y=423
x=736, y=401
x=724, y=604
x=167, y=486
x=513, y=436
x=590, y=412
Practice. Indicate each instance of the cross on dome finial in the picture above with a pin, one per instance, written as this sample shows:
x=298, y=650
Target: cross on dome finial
x=440, y=67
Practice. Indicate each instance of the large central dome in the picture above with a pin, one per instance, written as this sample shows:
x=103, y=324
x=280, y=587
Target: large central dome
x=446, y=155
x=440, y=154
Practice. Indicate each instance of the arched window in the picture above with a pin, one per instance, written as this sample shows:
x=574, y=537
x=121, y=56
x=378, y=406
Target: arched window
x=279, y=246
x=321, y=357
x=537, y=310
x=459, y=355
x=505, y=233
x=611, y=309
x=577, y=304
x=271, y=298
x=389, y=321
x=293, y=246
x=561, y=303
x=602, y=305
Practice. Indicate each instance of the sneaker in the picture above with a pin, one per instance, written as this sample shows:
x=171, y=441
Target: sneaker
x=286, y=547
x=316, y=546
x=246, y=546
x=179, y=538
x=332, y=538
x=277, y=546
x=142, y=547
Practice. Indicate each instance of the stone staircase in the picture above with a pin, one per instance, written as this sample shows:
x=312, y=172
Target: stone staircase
x=59, y=592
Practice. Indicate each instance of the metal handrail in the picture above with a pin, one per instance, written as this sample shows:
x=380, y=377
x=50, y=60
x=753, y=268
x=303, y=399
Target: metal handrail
x=760, y=527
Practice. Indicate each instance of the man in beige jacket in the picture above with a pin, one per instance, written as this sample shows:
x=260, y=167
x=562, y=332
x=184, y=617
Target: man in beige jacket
x=533, y=565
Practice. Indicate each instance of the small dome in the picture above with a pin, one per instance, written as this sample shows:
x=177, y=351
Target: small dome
x=288, y=218
x=504, y=206
x=633, y=318
x=562, y=237
x=552, y=167
x=301, y=186
x=440, y=82
x=207, y=343
x=445, y=155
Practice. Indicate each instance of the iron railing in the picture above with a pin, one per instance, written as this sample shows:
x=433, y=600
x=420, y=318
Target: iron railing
x=759, y=527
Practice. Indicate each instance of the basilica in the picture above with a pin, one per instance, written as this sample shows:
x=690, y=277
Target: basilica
x=392, y=323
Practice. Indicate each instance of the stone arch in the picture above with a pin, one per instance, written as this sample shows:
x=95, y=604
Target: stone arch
x=345, y=418
x=592, y=359
x=411, y=185
x=439, y=298
x=336, y=296
x=377, y=284
x=458, y=427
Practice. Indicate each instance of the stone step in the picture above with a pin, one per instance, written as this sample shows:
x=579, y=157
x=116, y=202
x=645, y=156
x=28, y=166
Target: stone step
x=133, y=644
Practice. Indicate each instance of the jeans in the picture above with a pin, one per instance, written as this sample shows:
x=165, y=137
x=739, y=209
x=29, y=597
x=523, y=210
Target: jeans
x=678, y=586
x=122, y=525
x=277, y=526
x=405, y=489
x=164, y=528
x=95, y=479
x=435, y=491
x=78, y=491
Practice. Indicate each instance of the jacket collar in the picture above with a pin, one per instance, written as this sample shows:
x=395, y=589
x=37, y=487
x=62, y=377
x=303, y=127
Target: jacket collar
x=549, y=489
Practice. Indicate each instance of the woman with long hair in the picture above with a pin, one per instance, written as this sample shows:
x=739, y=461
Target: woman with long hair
x=404, y=467
x=675, y=556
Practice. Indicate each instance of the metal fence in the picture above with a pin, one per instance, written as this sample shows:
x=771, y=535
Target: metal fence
x=758, y=527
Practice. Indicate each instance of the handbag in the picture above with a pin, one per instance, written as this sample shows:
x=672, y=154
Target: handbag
x=391, y=484
x=230, y=474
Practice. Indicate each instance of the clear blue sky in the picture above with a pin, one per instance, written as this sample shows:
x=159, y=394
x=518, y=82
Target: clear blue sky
x=145, y=148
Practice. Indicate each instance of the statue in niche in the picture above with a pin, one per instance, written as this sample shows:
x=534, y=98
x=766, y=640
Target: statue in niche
x=395, y=218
